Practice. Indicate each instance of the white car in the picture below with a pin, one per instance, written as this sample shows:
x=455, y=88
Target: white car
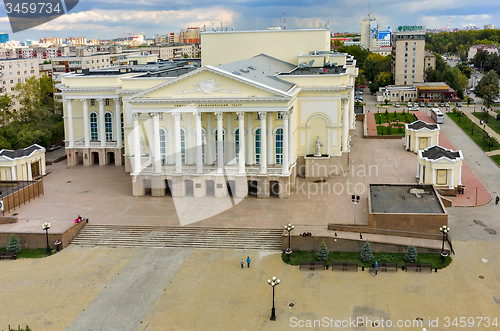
x=397, y=105
x=409, y=104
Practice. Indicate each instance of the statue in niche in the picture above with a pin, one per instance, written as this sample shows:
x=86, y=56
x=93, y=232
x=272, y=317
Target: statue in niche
x=317, y=147
x=143, y=146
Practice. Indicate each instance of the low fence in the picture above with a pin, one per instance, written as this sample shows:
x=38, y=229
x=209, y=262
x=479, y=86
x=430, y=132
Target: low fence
x=14, y=193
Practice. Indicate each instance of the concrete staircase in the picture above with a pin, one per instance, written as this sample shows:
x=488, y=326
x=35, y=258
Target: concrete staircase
x=169, y=236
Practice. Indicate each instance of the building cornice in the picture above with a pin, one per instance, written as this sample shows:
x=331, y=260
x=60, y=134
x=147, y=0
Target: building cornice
x=208, y=101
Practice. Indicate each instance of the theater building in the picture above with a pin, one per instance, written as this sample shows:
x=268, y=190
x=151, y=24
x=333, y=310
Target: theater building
x=246, y=125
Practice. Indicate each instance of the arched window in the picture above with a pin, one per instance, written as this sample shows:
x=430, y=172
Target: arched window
x=183, y=146
x=279, y=146
x=94, y=136
x=163, y=146
x=108, y=120
x=257, y=146
x=122, y=126
x=223, y=145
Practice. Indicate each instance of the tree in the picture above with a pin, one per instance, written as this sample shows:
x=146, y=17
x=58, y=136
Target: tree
x=411, y=254
x=185, y=55
x=488, y=87
x=5, y=109
x=36, y=94
x=489, y=140
x=13, y=245
x=366, y=252
x=322, y=254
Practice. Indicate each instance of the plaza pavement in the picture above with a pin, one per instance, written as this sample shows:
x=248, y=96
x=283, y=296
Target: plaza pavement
x=109, y=289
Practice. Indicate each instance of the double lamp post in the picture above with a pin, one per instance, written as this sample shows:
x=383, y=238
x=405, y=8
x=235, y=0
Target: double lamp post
x=444, y=230
x=46, y=227
x=289, y=227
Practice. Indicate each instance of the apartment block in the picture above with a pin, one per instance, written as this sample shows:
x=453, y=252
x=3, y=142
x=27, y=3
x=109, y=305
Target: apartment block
x=14, y=71
x=408, y=52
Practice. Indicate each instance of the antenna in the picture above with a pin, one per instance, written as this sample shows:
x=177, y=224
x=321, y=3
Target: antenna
x=284, y=20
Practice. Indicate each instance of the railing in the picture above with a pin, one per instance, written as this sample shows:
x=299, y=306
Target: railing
x=169, y=169
x=14, y=193
x=81, y=143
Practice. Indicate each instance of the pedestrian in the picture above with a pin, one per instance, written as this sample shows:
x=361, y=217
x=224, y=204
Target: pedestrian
x=480, y=122
x=376, y=267
x=360, y=236
x=496, y=200
x=248, y=261
x=242, y=263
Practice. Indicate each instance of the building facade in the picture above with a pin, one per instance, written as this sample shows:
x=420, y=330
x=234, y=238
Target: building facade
x=408, y=51
x=192, y=131
x=14, y=71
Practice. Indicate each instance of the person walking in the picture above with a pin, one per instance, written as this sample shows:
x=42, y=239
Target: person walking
x=248, y=261
x=242, y=263
x=376, y=267
x=496, y=200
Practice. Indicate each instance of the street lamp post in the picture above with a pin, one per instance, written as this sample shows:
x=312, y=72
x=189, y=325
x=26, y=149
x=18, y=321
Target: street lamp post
x=46, y=227
x=444, y=230
x=289, y=227
x=273, y=282
x=355, y=200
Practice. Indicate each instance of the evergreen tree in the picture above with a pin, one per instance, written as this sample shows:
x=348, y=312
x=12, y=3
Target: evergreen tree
x=366, y=252
x=322, y=254
x=14, y=245
x=411, y=254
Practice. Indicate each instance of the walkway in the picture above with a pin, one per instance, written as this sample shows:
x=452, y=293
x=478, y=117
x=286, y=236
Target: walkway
x=469, y=112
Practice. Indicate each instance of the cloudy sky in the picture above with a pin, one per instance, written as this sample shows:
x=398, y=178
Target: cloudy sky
x=108, y=19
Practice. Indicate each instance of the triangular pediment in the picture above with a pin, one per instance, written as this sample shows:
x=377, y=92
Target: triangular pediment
x=210, y=83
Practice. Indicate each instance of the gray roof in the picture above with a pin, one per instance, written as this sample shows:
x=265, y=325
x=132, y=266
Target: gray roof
x=403, y=199
x=261, y=69
x=417, y=125
x=436, y=152
x=18, y=153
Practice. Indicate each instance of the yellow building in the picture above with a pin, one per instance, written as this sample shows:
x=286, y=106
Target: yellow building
x=420, y=135
x=22, y=164
x=440, y=166
x=246, y=124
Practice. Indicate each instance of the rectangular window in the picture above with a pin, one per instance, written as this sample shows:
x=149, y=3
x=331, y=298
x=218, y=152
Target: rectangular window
x=279, y=116
x=92, y=102
x=442, y=176
x=106, y=102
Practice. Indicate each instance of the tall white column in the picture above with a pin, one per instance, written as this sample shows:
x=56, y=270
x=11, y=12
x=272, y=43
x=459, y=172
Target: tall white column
x=263, y=143
x=291, y=156
x=229, y=148
x=170, y=140
x=407, y=141
x=270, y=139
x=250, y=139
x=13, y=173
x=189, y=141
x=118, y=123
x=30, y=176
x=102, y=127
x=452, y=179
x=137, y=146
x=69, y=111
x=241, y=143
x=284, y=169
x=416, y=144
x=460, y=175
x=208, y=147
x=42, y=162
x=156, y=142
x=86, y=129
x=220, y=142
x=177, y=132
x=433, y=176
x=151, y=138
x=345, y=127
x=421, y=178
x=437, y=139
x=351, y=105
x=418, y=169
x=199, y=143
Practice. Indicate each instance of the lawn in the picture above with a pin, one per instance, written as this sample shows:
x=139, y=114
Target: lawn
x=405, y=117
x=394, y=130
x=29, y=253
x=466, y=124
x=496, y=158
x=492, y=121
x=298, y=256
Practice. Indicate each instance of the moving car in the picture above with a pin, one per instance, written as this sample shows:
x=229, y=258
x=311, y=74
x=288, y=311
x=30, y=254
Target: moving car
x=53, y=147
x=459, y=104
x=409, y=104
x=413, y=108
x=446, y=104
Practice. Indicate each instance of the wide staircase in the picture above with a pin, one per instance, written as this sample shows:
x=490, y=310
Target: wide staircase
x=180, y=236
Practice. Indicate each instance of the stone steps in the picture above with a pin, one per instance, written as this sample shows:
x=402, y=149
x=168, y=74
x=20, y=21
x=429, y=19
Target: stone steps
x=167, y=236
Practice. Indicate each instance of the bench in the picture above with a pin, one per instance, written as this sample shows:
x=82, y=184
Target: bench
x=344, y=266
x=8, y=255
x=419, y=266
x=312, y=265
x=388, y=266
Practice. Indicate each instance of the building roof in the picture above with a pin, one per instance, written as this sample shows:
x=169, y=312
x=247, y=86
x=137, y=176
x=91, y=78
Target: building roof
x=404, y=199
x=437, y=152
x=20, y=153
x=418, y=125
x=263, y=69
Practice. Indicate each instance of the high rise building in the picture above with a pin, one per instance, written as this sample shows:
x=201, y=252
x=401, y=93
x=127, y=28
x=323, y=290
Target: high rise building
x=4, y=37
x=369, y=32
x=408, y=52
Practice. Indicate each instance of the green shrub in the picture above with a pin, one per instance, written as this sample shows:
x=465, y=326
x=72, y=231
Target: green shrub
x=14, y=245
x=411, y=254
x=366, y=252
x=322, y=254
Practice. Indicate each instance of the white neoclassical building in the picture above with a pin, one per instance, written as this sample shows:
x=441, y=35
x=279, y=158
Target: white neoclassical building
x=245, y=125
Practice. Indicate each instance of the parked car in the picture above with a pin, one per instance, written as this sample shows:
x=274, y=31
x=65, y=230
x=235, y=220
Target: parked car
x=446, y=104
x=459, y=104
x=361, y=86
x=441, y=104
x=409, y=104
x=415, y=104
x=498, y=117
x=422, y=104
x=429, y=105
x=53, y=147
x=396, y=104
x=360, y=92
x=435, y=104
x=413, y=108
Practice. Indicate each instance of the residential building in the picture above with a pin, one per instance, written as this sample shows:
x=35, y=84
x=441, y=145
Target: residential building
x=369, y=32
x=14, y=71
x=489, y=26
x=408, y=51
x=55, y=41
x=481, y=47
x=429, y=61
x=4, y=37
x=253, y=122
x=76, y=41
x=173, y=51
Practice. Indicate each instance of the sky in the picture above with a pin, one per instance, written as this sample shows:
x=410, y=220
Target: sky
x=107, y=19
